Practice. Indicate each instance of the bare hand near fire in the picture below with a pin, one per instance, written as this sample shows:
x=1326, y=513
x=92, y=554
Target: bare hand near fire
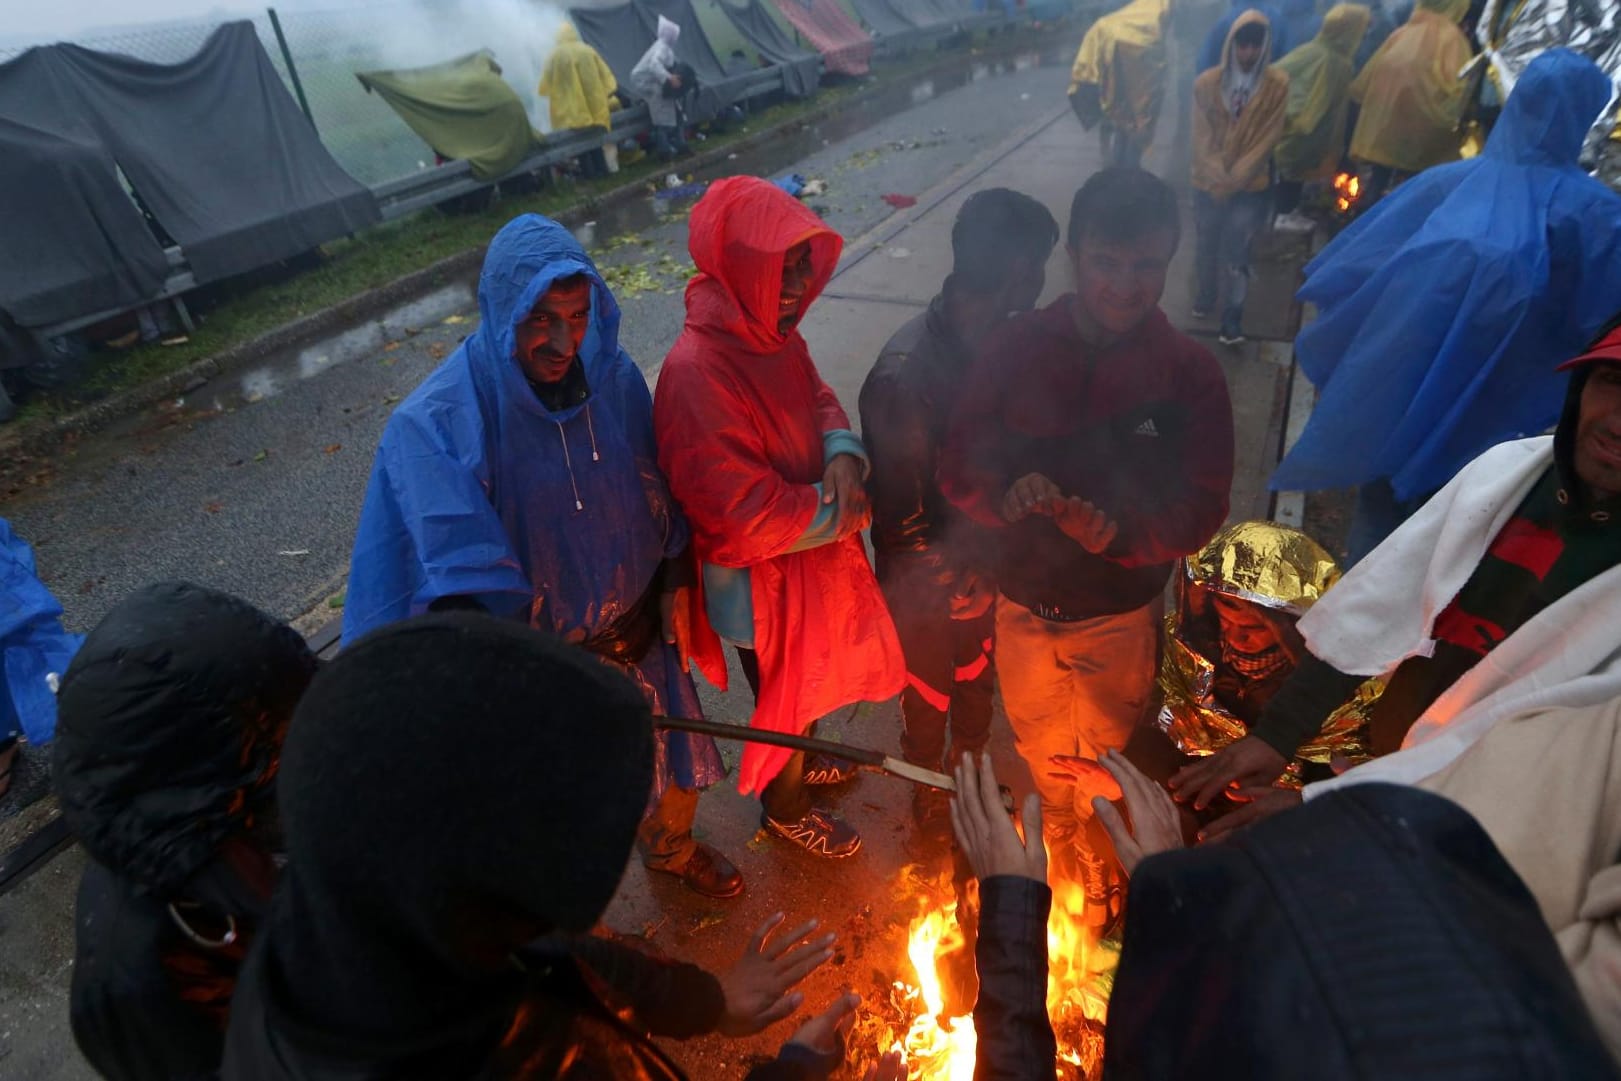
x=889, y=1068
x=1258, y=803
x=759, y=987
x=824, y=1033
x=843, y=483
x=675, y=613
x=1249, y=763
x=985, y=832
x=1156, y=825
x=1030, y=494
x=1085, y=524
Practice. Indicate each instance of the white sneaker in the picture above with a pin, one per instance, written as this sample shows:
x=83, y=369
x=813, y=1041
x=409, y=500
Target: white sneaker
x=1293, y=222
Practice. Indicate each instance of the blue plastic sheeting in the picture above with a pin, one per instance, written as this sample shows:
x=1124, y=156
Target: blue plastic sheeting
x=1444, y=310
x=33, y=644
x=479, y=490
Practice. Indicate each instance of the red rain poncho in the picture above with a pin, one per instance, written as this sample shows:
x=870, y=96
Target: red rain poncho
x=739, y=415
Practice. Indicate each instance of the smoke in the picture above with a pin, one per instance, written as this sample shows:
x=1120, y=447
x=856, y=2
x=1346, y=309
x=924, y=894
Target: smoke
x=520, y=33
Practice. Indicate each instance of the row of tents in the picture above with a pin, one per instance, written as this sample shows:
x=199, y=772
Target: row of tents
x=124, y=182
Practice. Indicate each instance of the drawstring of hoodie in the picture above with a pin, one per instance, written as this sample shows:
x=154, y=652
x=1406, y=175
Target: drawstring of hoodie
x=568, y=459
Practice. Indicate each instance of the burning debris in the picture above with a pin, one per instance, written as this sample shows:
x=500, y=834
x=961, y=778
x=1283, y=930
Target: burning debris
x=925, y=1009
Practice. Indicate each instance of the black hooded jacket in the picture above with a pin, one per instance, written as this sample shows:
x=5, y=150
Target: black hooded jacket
x=460, y=795
x=169, y=730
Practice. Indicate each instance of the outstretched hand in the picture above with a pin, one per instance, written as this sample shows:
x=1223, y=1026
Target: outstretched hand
x=985, y=832
x=1156, y=825
x=1030, y=494
x=824, y=1033
x=759, y=987
x=1248, y=763
x=1258, y=803
x=1085, y=524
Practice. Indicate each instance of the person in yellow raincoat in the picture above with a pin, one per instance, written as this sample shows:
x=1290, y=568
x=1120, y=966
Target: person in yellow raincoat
x=1119, y=79
x=579, y=87
x=1320, y=74
x=1411, y=93
x=1238, y=112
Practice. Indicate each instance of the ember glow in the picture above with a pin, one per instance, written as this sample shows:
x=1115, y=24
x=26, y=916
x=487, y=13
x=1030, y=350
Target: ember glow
x=939, y=1042
x=1347, y=189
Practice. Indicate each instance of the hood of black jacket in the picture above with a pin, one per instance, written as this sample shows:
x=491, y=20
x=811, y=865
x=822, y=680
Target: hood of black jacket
x=169, y=728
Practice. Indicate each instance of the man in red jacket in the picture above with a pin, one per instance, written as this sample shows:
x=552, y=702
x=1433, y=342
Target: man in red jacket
x=1097, y=441
x=761, y=457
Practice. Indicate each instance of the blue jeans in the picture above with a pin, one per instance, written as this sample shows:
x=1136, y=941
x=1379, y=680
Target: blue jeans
x=1378, y=514
x=1224, y=233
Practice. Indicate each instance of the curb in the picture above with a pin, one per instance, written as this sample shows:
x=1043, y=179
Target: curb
x=40, y=438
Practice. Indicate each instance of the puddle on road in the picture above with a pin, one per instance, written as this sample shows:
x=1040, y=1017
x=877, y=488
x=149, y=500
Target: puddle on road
x=289, y=369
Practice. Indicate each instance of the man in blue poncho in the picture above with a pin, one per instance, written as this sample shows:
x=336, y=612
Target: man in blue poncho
x=1441, y=308
x=521, y=479
x=34, y=652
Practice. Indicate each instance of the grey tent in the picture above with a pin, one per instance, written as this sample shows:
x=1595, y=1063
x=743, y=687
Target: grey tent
x=622, y=34
x=802, y=69
x=75, y=243
x=214, y=148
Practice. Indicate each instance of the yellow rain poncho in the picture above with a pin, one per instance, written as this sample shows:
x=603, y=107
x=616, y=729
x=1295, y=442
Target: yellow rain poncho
x=576, y=83
x=1411, y=91
x=1208, y=701
x=1123, y=55
x=1320, y=74
x=1232, y=153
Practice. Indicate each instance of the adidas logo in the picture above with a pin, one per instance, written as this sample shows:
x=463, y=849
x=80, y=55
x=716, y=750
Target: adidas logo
x=1146, y=428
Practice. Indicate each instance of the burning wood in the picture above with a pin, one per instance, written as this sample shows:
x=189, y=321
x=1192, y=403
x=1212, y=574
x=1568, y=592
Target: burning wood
x=927, y=1011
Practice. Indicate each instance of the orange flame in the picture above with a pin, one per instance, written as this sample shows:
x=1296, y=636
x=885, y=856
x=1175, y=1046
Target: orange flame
x=1347, y=189
x=941, y=1048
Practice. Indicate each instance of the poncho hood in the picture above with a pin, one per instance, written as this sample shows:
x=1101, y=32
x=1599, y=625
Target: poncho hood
x=1343, y=29
x=740, y=231
x=1553, y=105
x=455, y=786
x=524, y=259
x=170, y=726
x=567, y=35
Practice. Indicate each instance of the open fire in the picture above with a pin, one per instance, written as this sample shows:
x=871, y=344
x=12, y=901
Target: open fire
x=928, y=1016
x=1347, y=190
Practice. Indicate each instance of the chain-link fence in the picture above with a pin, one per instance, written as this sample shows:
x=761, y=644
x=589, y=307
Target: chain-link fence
x=327, y=48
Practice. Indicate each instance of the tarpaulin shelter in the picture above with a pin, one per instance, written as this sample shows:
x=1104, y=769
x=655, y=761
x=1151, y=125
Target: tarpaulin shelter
x=214, y=147
x=622, y=34
x=885, y=19
x=463, y=109
x=74, y=240
x=802, y=70
x=845, y=47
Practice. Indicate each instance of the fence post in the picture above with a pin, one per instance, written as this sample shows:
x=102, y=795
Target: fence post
x=292, y=69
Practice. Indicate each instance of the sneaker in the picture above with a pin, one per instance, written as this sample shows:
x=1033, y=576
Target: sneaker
x=1232, y=329
x=1202, y=311
x=819, y=833
x=820, y=770
x=1293, y=222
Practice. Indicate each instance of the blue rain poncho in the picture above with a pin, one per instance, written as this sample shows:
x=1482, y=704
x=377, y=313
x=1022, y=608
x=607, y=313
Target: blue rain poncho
x=33, y=646
x=1443, y=311
x=564, y=518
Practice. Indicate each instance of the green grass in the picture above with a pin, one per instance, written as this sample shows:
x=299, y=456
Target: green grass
x=379, y=256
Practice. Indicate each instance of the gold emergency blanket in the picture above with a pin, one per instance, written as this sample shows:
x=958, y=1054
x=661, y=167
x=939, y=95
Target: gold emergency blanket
x=1280, y=573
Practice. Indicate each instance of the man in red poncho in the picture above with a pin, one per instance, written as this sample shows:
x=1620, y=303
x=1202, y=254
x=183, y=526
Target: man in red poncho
x=760, y=454
x=1097, y=442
